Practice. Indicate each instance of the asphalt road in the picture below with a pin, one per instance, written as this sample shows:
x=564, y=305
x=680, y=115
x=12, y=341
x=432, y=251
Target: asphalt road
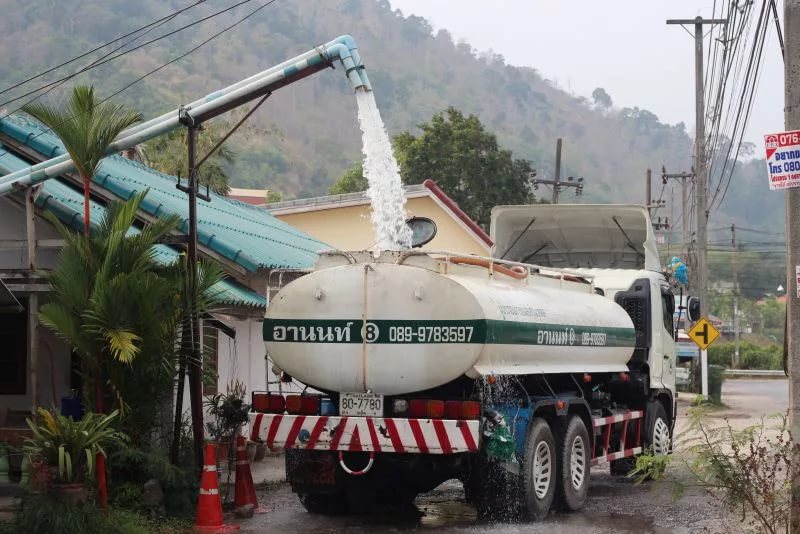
x=615, y=504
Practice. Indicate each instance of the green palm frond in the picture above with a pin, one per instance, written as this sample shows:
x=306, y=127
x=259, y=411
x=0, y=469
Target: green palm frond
x=85, y=124
x=122, y=344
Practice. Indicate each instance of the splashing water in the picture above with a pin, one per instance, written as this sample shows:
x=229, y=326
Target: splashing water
x=383, y=174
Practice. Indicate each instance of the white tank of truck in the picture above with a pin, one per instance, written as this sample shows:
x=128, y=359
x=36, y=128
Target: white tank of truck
x=405, y=322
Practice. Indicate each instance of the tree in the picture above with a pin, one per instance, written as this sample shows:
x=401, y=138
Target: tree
x=601, y=98
x=352, y=181
x=273, y=196
x=167, y=153
x=465, y=160
x=87, y=127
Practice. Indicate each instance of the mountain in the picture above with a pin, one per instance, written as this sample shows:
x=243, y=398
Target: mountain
x=311, y=133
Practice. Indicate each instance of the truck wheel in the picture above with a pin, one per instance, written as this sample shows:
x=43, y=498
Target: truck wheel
x=574, y=464
x=323, y=503
x=539, y=471
x=657, y=436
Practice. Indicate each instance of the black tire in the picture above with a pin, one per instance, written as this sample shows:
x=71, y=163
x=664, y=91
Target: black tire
x=573, y=453
x=539, y=470
x=657, y=436
x=323, y=503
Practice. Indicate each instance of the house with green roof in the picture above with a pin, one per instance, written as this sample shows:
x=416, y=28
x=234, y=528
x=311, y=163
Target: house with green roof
x=255, y=249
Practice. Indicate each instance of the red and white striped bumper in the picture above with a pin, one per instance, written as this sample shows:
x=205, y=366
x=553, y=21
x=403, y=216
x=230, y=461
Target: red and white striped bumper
x=370, y=434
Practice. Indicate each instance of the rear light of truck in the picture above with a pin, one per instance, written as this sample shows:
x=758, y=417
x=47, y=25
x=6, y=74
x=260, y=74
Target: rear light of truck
x=268, y=402
x=418, y=409
x=452, y=410
x=302, y=404
x=436, y=409
x=471, y=410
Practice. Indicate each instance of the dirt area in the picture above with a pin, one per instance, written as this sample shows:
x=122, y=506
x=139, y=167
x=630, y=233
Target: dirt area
x=614, y=504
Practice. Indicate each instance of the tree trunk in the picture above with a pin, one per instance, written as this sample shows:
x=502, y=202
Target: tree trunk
x=100, y=461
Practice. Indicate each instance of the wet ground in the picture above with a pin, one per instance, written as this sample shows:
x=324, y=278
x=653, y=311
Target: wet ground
x=615, y=504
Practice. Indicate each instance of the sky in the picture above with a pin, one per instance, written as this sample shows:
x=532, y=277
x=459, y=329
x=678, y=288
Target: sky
x=624, y=46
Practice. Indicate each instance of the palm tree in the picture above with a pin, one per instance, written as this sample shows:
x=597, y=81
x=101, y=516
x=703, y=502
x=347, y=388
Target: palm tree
x=121, y=310
x=87, y=127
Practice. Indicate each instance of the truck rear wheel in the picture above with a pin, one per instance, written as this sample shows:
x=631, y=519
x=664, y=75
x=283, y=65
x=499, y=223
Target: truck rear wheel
x=323, y=503
x=574, y=464
x=539, y=469
x=657, y=438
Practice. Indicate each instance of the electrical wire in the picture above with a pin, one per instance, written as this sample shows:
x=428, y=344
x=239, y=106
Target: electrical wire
x=173, y=60
x=158, y=22
x=744, y=107
x=117, y=56
x=94, y=63
x=753, y=90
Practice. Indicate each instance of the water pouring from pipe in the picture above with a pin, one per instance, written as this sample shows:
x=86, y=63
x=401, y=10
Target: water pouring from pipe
x=383, y=175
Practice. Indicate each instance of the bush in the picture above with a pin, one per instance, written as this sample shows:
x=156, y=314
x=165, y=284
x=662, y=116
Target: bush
x=751, y=356
x=40, y=514
x=130, y=468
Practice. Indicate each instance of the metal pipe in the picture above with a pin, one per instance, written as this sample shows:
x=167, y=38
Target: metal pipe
x=344, y=40
x=343, y=48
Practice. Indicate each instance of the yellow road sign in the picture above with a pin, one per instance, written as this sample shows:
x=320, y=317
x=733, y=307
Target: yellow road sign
x=703, y=333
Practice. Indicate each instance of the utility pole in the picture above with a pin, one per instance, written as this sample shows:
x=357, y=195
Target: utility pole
x=685, y=215
x=648, y=188
x=558, y=172
x=192, y=358
x=682, y=176
x=701, y=176
x=791, y=24
x=735, y=277
x=556, y=183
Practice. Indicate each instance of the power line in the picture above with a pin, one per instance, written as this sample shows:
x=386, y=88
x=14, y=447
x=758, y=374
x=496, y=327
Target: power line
x=750, y=84
x=117, y=56
x=92, y=65
x=203, y=43
x=177, y=58
x=93, y=50
x=736, y=57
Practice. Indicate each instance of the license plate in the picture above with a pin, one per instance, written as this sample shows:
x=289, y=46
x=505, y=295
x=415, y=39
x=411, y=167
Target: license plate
x=360, y=405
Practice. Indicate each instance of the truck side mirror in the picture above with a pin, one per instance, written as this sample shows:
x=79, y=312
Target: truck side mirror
x=693, y=309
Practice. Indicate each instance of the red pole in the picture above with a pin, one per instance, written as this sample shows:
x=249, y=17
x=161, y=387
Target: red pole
x=100, y=460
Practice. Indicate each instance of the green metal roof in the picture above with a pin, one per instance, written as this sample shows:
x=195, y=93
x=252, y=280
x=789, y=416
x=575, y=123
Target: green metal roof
x=249, y=236
x=66, y=203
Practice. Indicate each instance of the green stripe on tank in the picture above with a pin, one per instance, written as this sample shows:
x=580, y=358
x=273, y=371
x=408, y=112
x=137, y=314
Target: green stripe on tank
x=490, y=331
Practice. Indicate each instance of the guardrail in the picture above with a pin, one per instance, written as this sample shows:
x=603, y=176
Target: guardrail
x=753, y=373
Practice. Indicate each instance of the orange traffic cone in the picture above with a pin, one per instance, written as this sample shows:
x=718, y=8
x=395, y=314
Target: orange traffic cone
x=245, y=490
x=209, y=506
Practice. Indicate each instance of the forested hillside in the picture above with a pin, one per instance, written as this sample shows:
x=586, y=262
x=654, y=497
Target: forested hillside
x=315, y=136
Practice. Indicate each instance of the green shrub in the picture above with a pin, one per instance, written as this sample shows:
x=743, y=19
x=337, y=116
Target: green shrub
x=751, y=356
x=132, y=467
x=41, y=513
x=720, y=354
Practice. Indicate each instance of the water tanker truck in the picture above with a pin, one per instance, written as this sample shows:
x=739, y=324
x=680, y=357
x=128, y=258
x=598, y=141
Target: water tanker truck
x=515, y=374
